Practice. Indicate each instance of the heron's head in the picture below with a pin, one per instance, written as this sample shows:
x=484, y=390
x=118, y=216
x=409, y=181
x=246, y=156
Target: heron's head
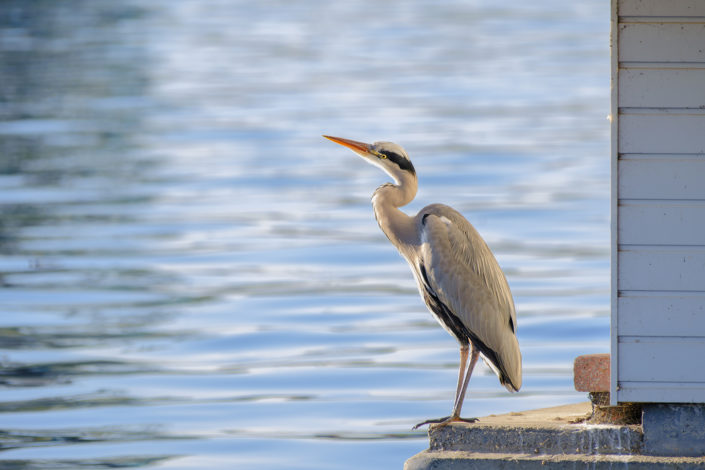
x=390, y=157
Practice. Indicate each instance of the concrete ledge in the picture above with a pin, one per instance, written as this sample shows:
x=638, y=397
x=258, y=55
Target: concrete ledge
x=558, y=430
x=457, y=460
x=674, y=429
x=550, y=438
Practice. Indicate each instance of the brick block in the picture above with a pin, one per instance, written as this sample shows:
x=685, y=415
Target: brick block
x=591, y=373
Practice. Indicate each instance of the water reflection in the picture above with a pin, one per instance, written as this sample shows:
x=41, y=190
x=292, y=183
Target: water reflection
x=118, y=462
x=189, y=280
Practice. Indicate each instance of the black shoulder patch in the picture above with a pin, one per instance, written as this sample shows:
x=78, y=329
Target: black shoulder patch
x=403, y=162
x=423, y=219
x=424, y=276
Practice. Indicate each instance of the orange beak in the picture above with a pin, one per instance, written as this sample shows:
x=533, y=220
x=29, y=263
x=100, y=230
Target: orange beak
x=360, y=148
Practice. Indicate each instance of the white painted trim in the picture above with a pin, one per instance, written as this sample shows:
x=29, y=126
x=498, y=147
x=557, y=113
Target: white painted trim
x=614, y=168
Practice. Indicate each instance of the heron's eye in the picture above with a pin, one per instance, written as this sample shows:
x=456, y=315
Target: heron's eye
x=382, y=156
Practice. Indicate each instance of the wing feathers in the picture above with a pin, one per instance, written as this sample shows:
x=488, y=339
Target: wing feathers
x=462, y=279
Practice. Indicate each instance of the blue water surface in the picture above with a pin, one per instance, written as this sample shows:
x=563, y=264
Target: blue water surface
x=192, y=278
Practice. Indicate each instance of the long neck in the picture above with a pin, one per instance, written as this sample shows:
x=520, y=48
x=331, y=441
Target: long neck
x=395, y=224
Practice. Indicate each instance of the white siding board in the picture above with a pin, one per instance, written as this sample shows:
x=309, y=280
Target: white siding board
x=658, y=200
x=667, y=88
x=662, y=8
x=662, y=223
x=663, y=177
x=675, y=359
x=661, y=133
x=661, y=314
x=658, y=269
x=662, y=42
x=661, y=392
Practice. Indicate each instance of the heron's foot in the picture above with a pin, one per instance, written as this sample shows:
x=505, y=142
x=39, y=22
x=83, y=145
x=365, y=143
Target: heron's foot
x=440, y=422
x=432, y=421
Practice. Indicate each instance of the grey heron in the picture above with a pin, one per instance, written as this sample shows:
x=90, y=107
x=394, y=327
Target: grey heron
x=456, y=273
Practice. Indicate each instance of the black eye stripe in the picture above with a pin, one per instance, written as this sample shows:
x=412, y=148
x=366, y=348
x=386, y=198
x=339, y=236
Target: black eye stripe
x=403, y=162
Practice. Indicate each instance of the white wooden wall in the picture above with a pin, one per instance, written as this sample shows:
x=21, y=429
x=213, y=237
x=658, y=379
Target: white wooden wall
x=658, y=201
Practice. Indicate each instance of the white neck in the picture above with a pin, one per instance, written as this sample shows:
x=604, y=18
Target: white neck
x=395, y=224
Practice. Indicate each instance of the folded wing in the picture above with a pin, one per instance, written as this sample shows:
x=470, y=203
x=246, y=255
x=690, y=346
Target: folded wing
x=466, y=290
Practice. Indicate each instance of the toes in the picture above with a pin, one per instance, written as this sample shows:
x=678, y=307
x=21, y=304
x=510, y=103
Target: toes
x=432, y=421
x=440, y=422
x=468, y=420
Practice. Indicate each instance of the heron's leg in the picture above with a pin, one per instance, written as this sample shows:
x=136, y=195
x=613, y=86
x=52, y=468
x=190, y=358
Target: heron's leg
x=462, y=370
x=464, y=348
x=463, y=380
x=459, y=391
x=474, y=356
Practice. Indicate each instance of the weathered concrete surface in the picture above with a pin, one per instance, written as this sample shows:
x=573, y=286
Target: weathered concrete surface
x=558, y=430
x=428, y=460
x=550, y=438
x=674, y=429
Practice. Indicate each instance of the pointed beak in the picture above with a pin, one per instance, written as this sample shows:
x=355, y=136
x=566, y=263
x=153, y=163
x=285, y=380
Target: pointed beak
x=359, y=148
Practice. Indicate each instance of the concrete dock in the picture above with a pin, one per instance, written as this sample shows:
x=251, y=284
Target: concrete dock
x=549, y=438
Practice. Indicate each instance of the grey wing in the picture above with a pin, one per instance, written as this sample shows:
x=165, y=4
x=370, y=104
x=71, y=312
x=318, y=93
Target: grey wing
x=461, y=280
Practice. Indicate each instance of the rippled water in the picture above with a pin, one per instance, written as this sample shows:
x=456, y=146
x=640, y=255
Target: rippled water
x=193, y=278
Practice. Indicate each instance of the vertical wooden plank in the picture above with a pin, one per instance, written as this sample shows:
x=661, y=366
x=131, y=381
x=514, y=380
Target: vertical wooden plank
x=614, y=201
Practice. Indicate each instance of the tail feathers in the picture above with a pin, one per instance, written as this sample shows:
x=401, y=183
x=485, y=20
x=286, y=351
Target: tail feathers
x=507, y=366
x=513, y=384
x=512, y=387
